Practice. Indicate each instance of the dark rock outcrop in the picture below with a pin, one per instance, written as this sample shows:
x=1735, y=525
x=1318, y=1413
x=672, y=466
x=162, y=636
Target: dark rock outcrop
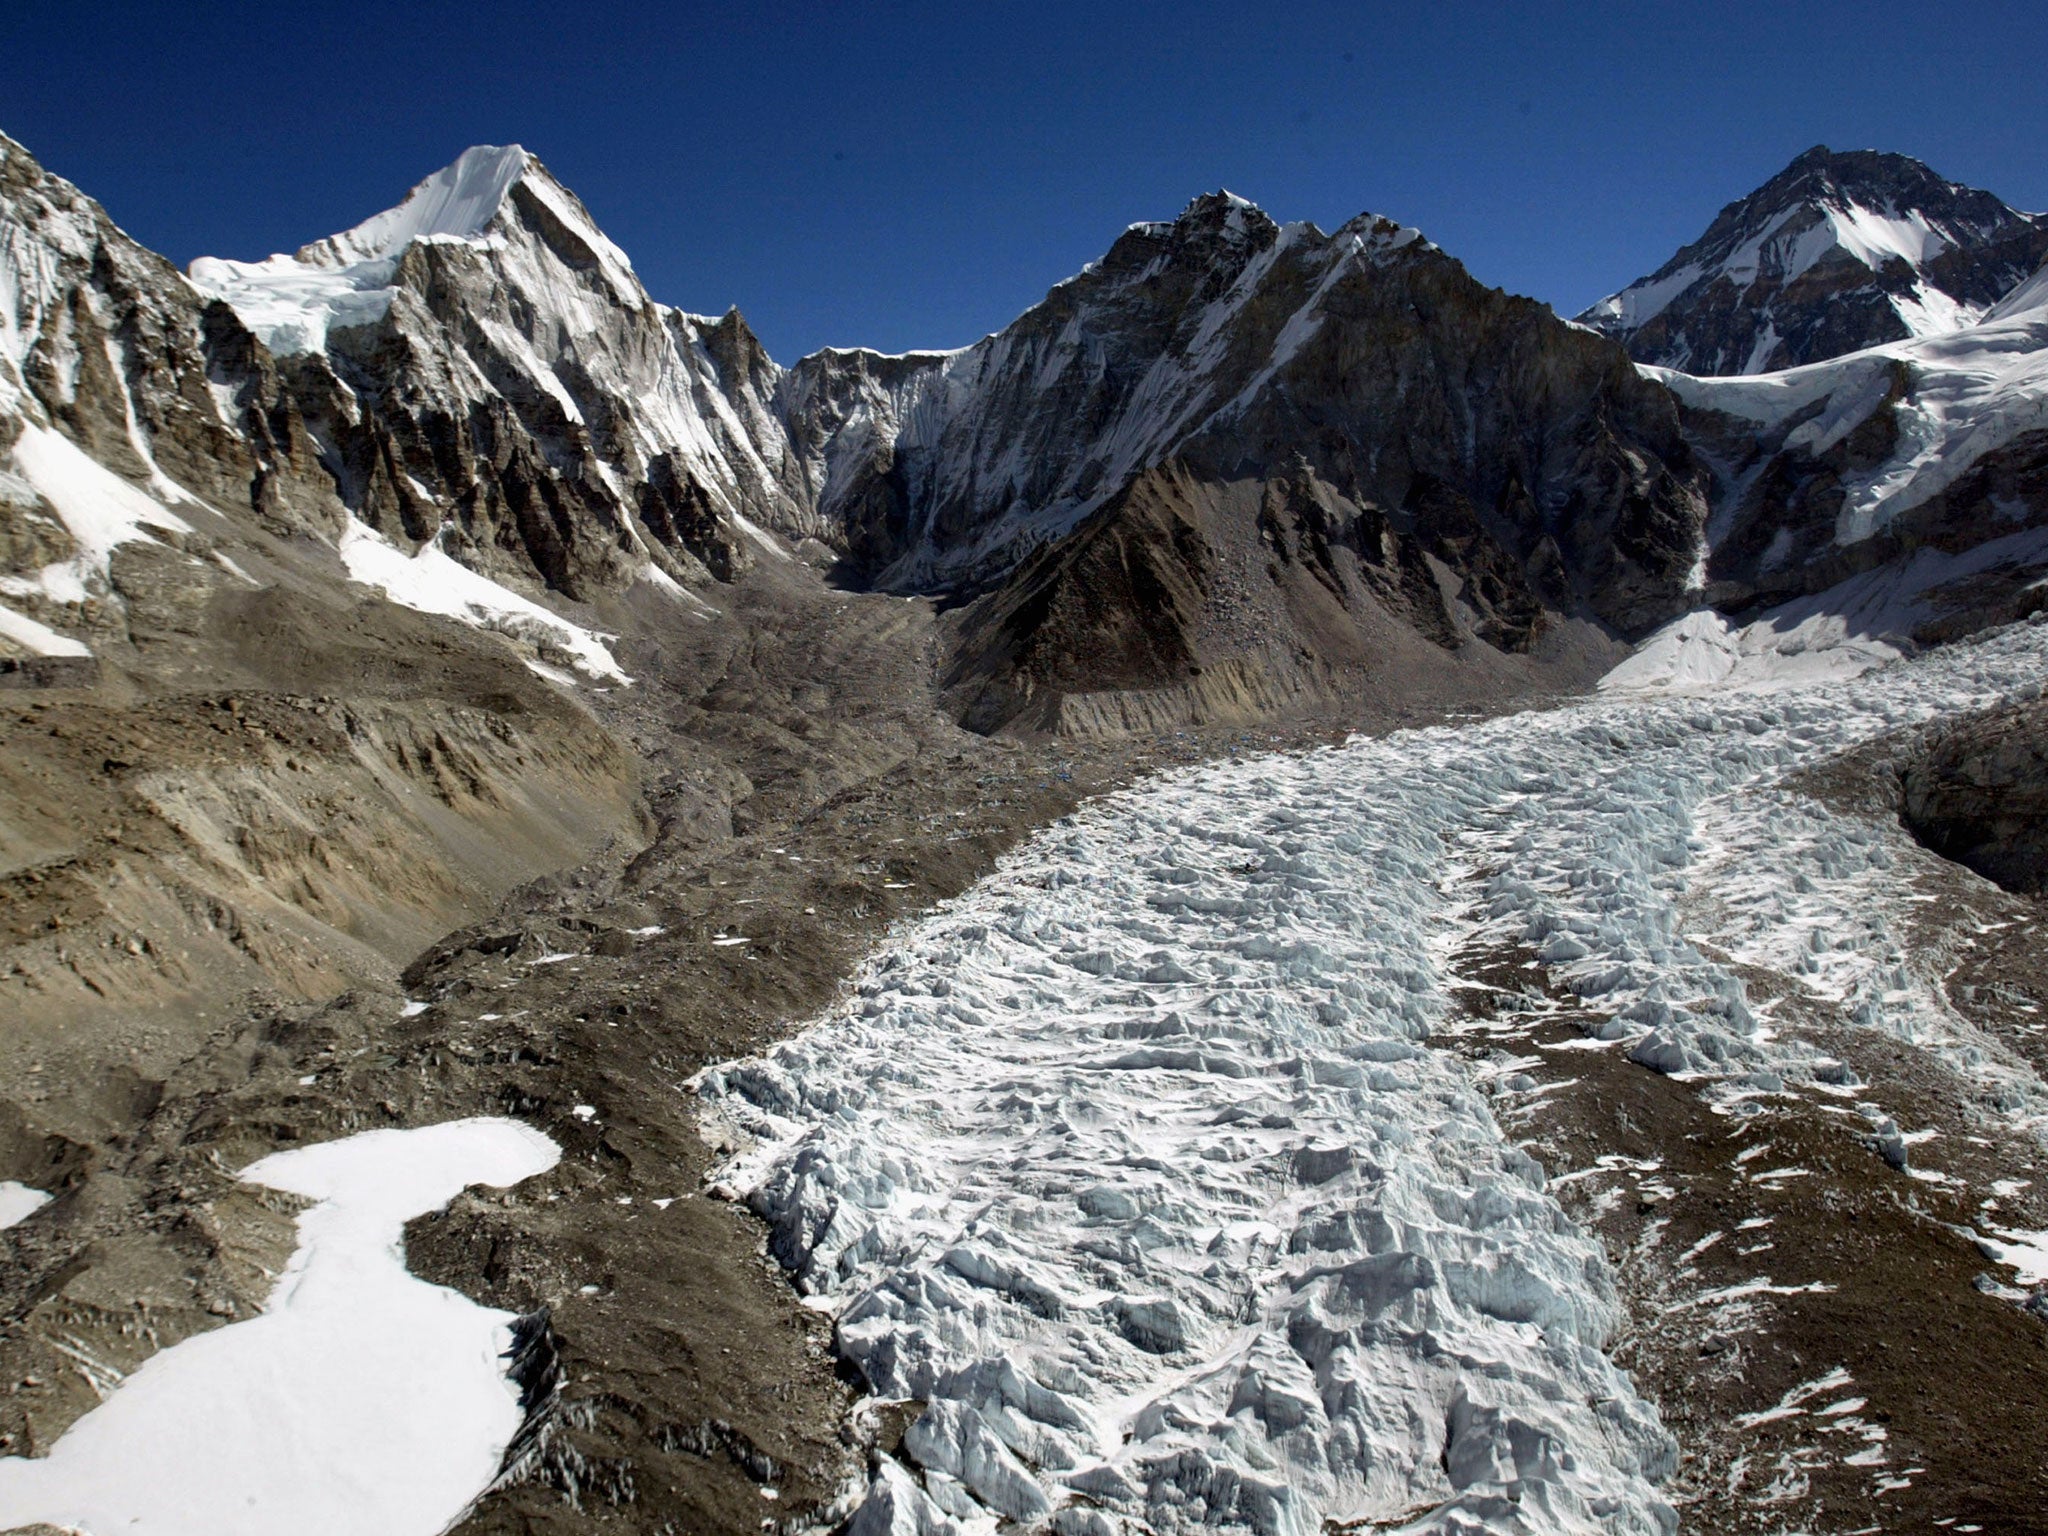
x=1977, y=792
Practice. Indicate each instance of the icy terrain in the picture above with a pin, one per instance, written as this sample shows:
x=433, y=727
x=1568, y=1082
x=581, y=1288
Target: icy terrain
x=363, y=1402
x=1136, y=1162
x=1966, y=393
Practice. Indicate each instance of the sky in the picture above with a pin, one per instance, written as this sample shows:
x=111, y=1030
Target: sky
x=916, y=175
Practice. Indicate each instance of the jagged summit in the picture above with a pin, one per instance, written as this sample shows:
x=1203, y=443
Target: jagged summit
x=459, y=201
x=1220, y=204
x=1840, y=250
x=1221, y=214
x=293, y=301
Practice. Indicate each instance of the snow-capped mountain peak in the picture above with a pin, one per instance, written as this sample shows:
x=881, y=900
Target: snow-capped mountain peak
x=1839, y=251
x=459, y=201
x=488, y=191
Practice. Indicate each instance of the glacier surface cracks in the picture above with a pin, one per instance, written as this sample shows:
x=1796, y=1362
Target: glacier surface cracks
x=1136, y=1166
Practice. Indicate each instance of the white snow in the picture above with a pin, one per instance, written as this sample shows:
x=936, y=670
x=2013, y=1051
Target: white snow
x=432, y=582
x=99, y=509
x=1872, y=236
x=2026, y=1252
x=661, y=581
x=458, y=202
x=38, y=639
x=1864, y=622
x=292, y=301
x=1134, y=1164
x=290, y=305
x=362, y=1402
x=1969, y=392
x=559, y=317
x=1927, y=311
x=2025, y=297
x=1636, y=306
x=18, y=1202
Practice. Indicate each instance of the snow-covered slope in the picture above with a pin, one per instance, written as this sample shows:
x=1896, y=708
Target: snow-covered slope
x=1837, y=252
x=1830, y=469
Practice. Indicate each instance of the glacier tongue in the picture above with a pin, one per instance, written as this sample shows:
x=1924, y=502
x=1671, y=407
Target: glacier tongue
x=1135, y=1164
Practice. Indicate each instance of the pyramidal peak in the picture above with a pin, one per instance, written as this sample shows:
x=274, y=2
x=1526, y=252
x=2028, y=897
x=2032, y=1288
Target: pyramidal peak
x=293, y=301
x=459, y=201
x=1842, y=249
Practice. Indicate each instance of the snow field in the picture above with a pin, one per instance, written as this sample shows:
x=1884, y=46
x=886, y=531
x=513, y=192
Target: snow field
x=100, y=510
x=1971, y=391
x=1133, y=1162
x=432, y=582
x=362, y=1402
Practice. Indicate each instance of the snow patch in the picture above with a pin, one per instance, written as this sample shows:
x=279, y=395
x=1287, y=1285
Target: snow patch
x=362, y=1402
x=1862, y=623
x=18, y=1202
x=432, y=582
x=2026, y=1252
x=38, y=639
x=99, y=509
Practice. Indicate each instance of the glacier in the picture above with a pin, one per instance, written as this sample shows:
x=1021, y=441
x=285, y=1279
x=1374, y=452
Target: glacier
x=1963, y=394
x=1137, y=1164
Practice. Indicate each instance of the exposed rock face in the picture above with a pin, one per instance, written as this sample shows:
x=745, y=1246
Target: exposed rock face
x=1837, y=252
x=107, y=355
x=1248, y=349
x=1239, y=445
x=1978, y=793
x=479, y=370
x=483, y=367
x=233, y=770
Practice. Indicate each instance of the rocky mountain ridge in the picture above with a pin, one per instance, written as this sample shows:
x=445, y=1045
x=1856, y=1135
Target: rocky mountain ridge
x=1839, y=251
x=1319, y=444
x=441, y=681
x=475, y=381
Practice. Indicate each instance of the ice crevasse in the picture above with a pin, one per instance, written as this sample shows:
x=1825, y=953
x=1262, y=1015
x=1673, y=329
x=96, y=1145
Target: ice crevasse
x=1135, y=1163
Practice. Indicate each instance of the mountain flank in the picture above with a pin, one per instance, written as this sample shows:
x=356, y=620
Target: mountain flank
x=1839, y=251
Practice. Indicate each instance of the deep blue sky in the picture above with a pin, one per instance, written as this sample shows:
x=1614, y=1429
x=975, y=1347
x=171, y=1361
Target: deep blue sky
x=915, y=175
